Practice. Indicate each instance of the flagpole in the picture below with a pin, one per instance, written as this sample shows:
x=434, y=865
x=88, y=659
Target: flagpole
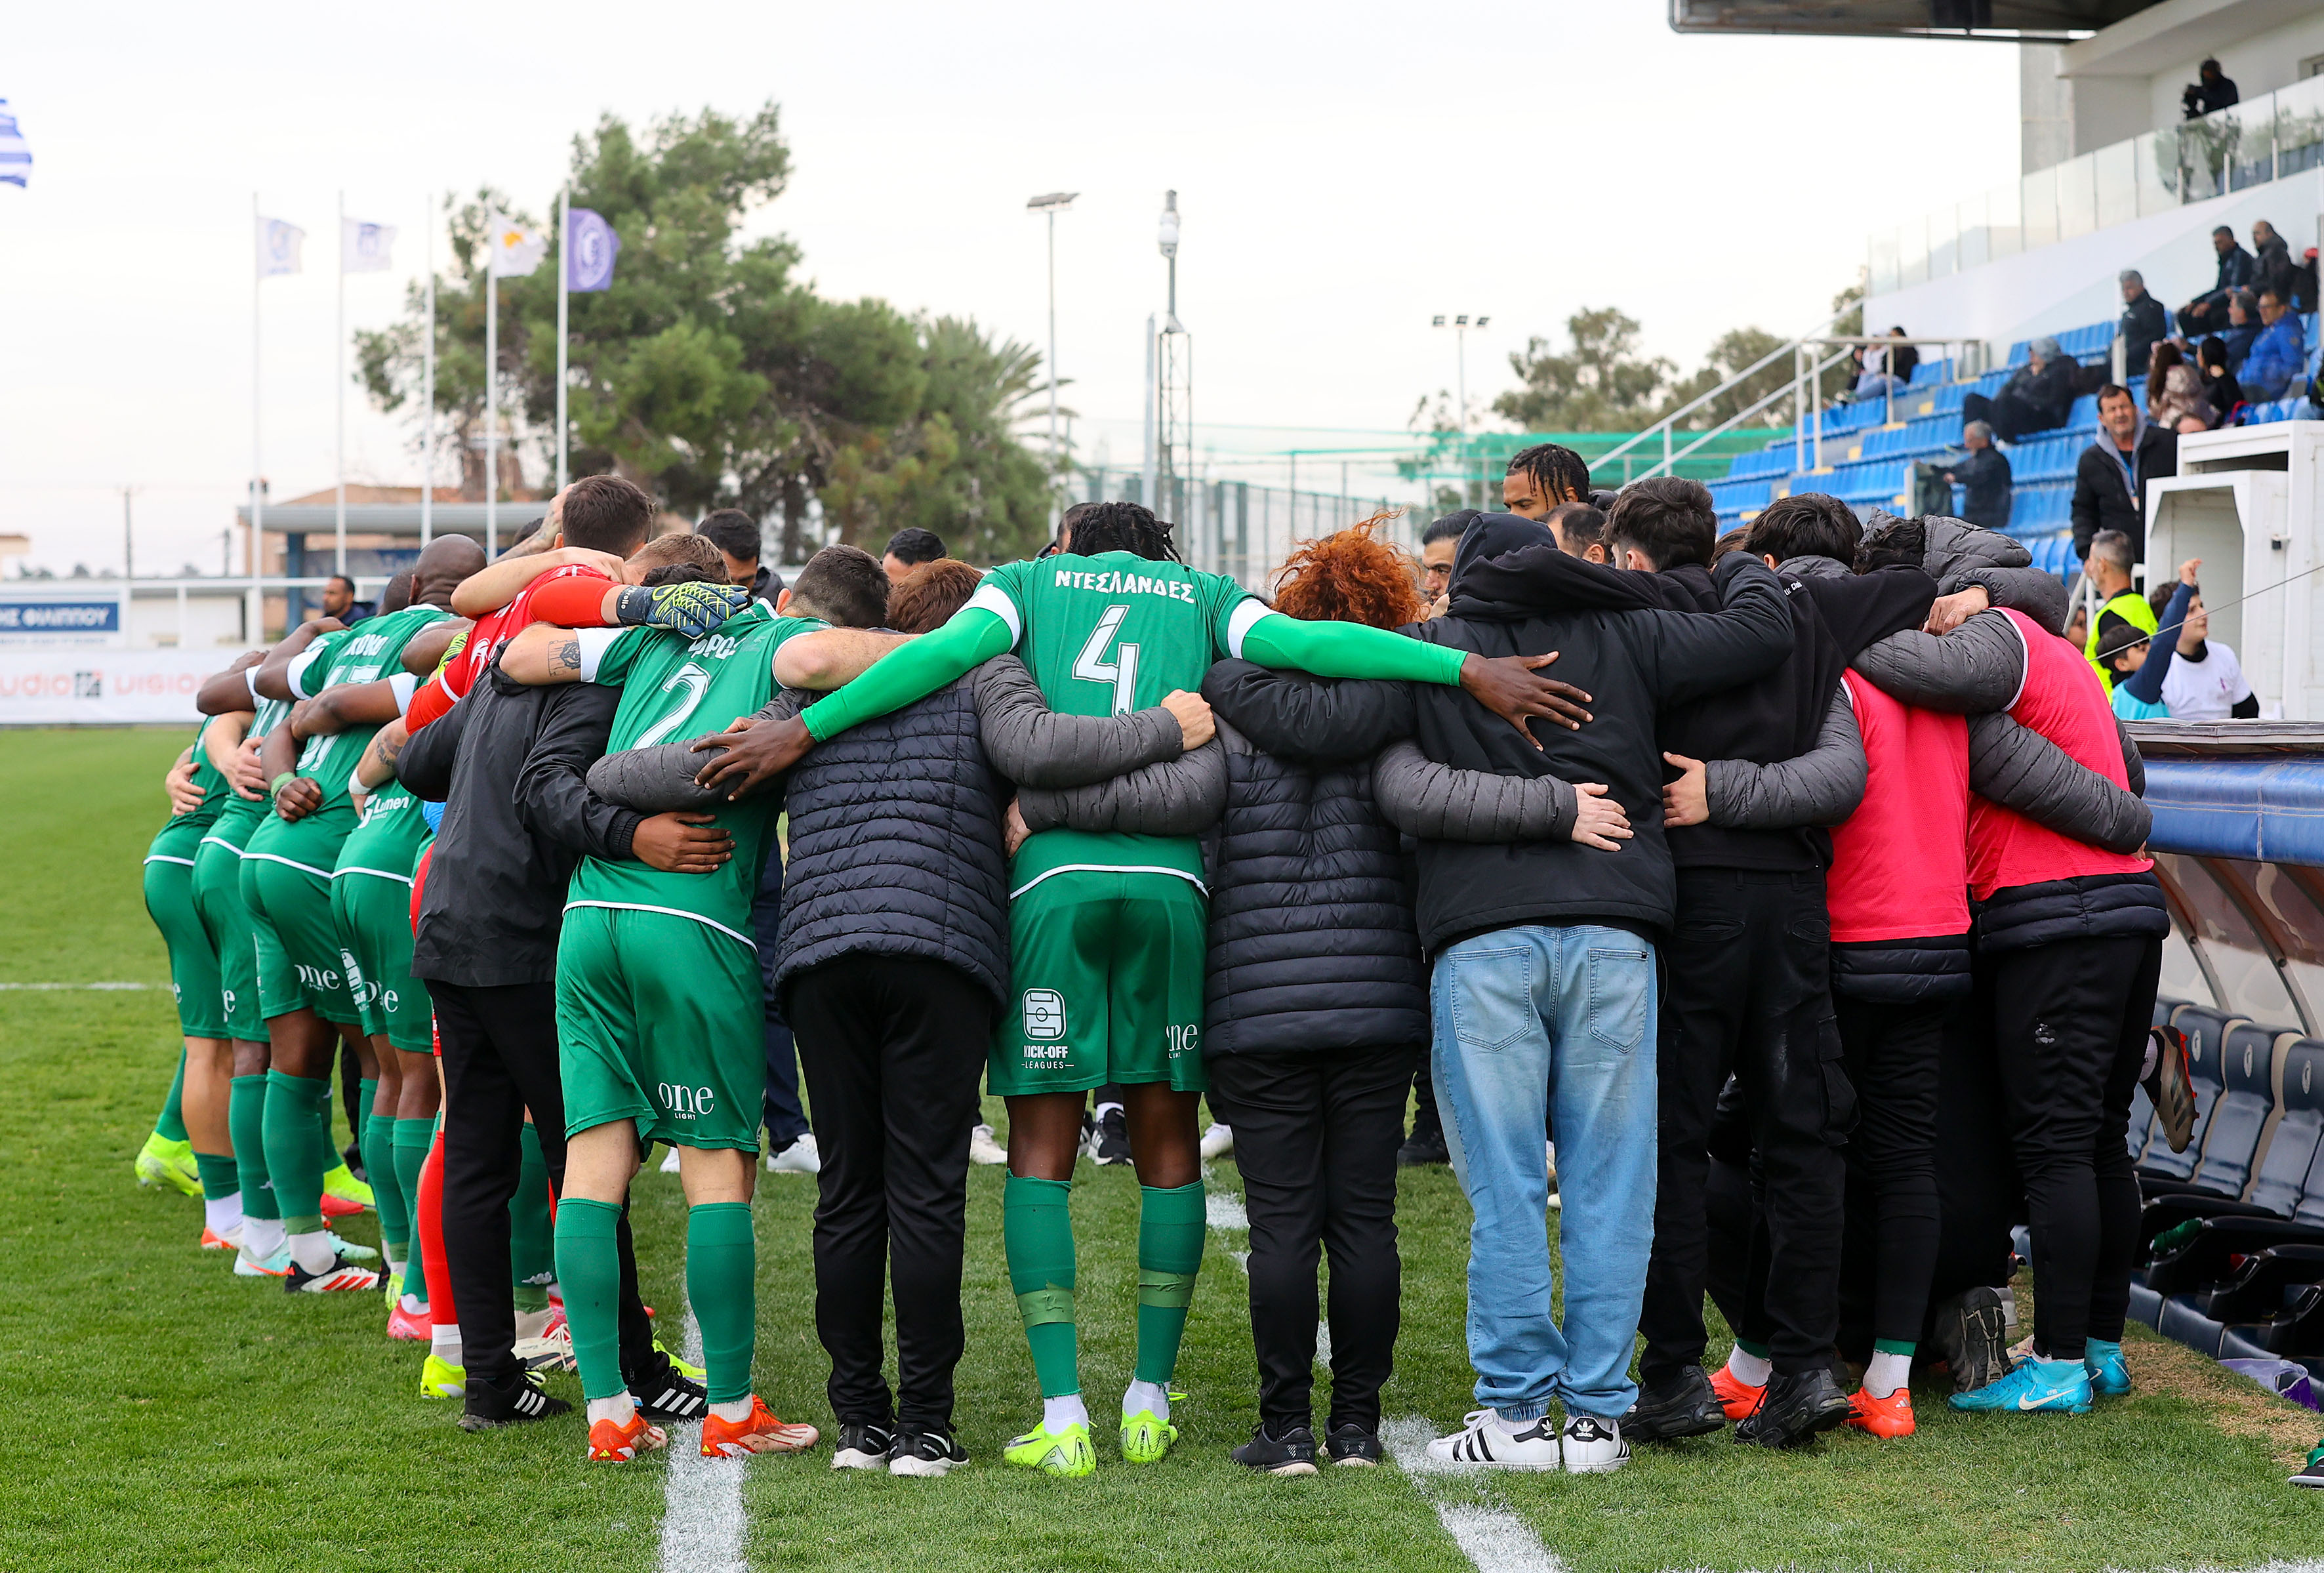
x=491, y=391
x=428, y=395
x=564, y=276
x=339, y=380
x=257, y=630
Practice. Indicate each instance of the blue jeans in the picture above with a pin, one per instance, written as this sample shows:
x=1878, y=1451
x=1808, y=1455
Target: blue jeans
x=1555, y=1022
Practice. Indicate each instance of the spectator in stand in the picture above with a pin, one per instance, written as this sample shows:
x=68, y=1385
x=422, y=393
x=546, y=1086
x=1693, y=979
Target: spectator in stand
x=1885, y=369
x=1580, y=530
x=2136, y=665
x=2174, y=393
x=2241, y=330
x=2271, y=264
x=1984, y=476
x=339, y=601
x=2221, y=392
x=908, y=549
x=2303, y=284
x=2038, y=398
x=2111, y=476
x=2211, y=90
x=2206, y=682
x=2144, y=321
x=2204, y=313
x=2279, y=355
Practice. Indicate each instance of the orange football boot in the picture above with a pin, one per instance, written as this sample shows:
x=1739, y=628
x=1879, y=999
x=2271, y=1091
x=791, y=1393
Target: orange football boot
x=761, y=1431
x=340, y=1207
x=1734, y=1397
x=214, y=1241
x=611, y=1443
x=1883, y=1417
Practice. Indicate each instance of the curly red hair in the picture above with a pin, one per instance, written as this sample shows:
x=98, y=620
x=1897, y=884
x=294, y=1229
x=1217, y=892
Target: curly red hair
x=1353, y=576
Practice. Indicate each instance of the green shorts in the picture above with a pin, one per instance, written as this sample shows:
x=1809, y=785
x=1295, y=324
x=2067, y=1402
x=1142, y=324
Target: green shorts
x=659, y=1020
x=193, y=959
x=217, y=896
x=1107, y=972
x=374, y=913
x=297, y=941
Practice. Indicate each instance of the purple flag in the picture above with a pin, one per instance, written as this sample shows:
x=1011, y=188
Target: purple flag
x=590, y=247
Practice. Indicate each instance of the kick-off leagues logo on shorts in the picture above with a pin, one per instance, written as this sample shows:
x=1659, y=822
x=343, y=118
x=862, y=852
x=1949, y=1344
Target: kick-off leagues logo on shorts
x=1044, y=1014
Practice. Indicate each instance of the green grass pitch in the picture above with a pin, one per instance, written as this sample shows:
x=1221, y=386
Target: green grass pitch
x=166, y=1415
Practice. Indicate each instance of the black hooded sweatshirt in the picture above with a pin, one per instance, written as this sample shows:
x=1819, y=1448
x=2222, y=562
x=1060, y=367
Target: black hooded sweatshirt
x=1507, y=600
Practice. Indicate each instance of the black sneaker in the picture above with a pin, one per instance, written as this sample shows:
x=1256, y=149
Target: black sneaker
x=1292, y=1453
x=864, y=1445
x=1683, y=1406
x=488, y=1405
x=1795, y=1410
x=926, y=1452
x=2312, y=1473
x=663, y=1393
x=1351, y=1444
x=1972, y=1331
x=1111, y=1146
x=1424, y=1146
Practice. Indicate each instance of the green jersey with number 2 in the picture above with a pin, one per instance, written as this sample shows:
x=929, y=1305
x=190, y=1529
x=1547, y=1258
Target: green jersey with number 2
x=675, y=689
x=1105, y=636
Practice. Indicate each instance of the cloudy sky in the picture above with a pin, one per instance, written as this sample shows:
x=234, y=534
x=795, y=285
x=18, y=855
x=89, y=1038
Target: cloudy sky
x=1343, y=173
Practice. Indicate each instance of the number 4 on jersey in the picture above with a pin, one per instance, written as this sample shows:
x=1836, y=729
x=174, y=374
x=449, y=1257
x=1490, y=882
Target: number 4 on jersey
x=1091, y=666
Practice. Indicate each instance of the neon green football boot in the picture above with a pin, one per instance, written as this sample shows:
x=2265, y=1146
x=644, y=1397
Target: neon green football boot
x=1146, y=1437
x=1066, y=1451
x=341, y=1183
x=170, y=1163
x=677, y=1362
x=442, y=1379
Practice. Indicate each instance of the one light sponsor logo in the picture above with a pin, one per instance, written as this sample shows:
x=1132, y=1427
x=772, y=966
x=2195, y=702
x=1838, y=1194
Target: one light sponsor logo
x=1044, y=1012
x=1184, y=1040
x=317, y=977
x=682, y=1102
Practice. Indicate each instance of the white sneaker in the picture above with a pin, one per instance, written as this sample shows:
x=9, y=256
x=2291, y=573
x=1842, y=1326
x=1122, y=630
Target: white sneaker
x=799, y=1158
x=983, y=1148
x=669, y=1162
x=552, y=1351
x=1594, y=1446
x=1218, y=1141
x=1488, y=1440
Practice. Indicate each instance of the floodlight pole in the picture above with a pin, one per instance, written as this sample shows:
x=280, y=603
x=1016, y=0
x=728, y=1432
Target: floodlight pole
x=1050, y=206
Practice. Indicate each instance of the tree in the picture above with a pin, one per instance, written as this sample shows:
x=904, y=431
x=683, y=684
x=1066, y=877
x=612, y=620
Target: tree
x=713, y=377
x=1599, y=385
x=1730, y=353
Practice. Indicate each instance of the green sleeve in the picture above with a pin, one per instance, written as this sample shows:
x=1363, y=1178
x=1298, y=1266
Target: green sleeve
x=1348, y=649
x=913, y=672
x=620, y=655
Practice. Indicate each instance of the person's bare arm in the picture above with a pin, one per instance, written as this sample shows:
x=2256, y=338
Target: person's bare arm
x=376, y=769
x=425, y=651
x=177, y=783
x=494, y=586
x=833, y=658
x=222, y=745
x=224, y=692
x=542, y=654
x=335, y=710
x=274, y=672
x=295, y=796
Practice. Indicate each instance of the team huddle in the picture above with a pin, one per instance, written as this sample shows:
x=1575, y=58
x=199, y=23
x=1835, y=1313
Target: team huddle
x=1698, y=909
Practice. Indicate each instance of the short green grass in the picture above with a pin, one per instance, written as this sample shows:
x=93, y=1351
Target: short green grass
x=167, y=1415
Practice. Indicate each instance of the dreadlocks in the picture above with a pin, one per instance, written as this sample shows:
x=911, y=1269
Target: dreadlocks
x=1122, y=527
x=1560, y=472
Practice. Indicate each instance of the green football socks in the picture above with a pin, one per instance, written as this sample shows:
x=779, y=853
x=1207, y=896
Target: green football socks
x=412, y=1139
x=533, y=1254
x=721, y=1284
x=171, y=1125
x=220, y=1176
x=1170, y=1226
x=378, y=1143
x=1036, y=1231
x=245, y=1119
x=297, y=1109
x=589, y=1266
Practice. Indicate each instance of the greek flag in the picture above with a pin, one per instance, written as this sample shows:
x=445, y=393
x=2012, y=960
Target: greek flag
x=590, y=247
x=15, y=158
x=278, y=247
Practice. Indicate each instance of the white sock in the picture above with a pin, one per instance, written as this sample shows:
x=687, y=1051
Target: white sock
x=224, y=1215
x=392, y=1266
x=531, y=1324
x=314, y=1252
x=1887, y=1373
x=1058, y=1413
x=262, y=1237
x=414, y=1306
x=444, y=1343
x=733, y=1410
x=1150, y=1395
x=1749, y=1369
x=1099, y=1113
x=619, y=1409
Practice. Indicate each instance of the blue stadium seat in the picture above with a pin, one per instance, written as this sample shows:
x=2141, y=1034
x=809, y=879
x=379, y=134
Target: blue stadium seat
x=2292, y=1169
x=2242, y=1111
x=1735, y=496
x=2206, y=1029
x=2084, y=416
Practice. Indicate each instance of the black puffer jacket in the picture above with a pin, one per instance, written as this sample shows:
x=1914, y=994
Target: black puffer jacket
x=1312, y=945
x=895, y=845
x=2094, y=907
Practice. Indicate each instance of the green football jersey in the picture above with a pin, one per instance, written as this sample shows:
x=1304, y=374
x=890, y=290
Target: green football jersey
x=386, y=841
x=363, y=654
x=241, y=814
x=212, y=783
x=1105, y=636
x=675, y=689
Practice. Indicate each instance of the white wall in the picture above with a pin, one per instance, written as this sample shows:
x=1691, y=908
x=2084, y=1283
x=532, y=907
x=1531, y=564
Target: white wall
x=2071, y=282
x=2256, y=65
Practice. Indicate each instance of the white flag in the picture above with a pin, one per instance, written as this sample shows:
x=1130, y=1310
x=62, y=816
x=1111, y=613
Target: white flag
x=278, y=247
x=15, y=158
x=516, y=249
x=363, y=248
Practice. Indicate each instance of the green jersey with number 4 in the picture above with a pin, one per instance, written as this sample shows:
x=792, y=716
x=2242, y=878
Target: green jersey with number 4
x=675, y=689
x=1105, y=636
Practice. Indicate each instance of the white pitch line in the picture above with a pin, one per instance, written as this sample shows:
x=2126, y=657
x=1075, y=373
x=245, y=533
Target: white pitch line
x=702, y=1521
x=98, y=988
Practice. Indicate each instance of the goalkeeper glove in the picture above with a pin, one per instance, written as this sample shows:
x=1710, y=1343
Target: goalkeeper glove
x=693, y=610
